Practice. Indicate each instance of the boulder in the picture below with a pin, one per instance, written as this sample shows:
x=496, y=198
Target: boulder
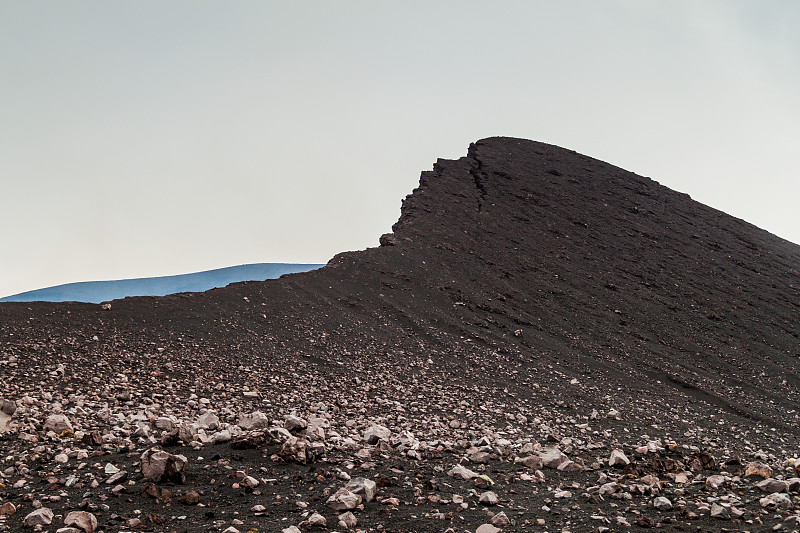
x=771, y=485
x=255, y=420
x=343, y=500
x=57, y=423
x=208, y=420
x=81, y=520
x=376, y=433
x=7, y=509
x=7, y=410
x=618, y=458
x=159, y=466
x=366, y=488
x=294, y=423
x=758, y=469
x=40, y=517
x=489, y=498
x=776, y=500
x=461, y=472
x=552, y=457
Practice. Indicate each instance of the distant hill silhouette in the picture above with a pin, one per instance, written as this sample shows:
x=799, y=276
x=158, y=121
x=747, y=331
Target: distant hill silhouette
x=103, y=291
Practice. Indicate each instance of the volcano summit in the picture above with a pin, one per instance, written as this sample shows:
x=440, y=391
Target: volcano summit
x=545, y=342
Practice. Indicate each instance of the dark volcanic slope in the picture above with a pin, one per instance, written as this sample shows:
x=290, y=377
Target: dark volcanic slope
x=528, y=297
x=523, y=255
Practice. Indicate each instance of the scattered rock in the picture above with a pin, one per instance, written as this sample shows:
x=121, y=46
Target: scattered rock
x=534, y=462
x=618, y=458
x=489, y=498
x=348, y=520
x=501, y=520
x=343, y=500
x=190, y=498
x=720, y=512
x=376, y=433
x=461, y=472
x=57, y=423
x=295, y=423
x=7, y=410
x=159, y=466
x=552, y=457
x=758, y=469
x=771, y=485
x=7, y=509
x=366, y=488
x=81, y=520
x=662, y=504
x=255, y=420
x=316, y=520
x=776, y=500
x=40, y=517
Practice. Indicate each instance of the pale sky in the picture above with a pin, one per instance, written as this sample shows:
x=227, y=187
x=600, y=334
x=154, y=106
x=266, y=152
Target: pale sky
x=146, y=138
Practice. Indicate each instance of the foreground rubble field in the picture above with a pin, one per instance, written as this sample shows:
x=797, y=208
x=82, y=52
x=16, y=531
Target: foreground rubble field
x=337, y=465
x=545, y=343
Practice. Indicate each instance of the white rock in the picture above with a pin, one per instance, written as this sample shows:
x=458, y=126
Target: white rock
x=489, y=498
x=377, y=433
x=366, y=488
x=662, y=504
x=208, y=420
x=618, y=458
x=462, y=472
x=255, y=420
x=343, y=500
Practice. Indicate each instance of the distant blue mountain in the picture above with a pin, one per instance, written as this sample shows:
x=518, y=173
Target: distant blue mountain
x=103, y=291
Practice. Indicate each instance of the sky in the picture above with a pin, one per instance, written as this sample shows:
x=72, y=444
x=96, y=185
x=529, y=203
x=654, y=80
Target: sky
x=147, y=138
